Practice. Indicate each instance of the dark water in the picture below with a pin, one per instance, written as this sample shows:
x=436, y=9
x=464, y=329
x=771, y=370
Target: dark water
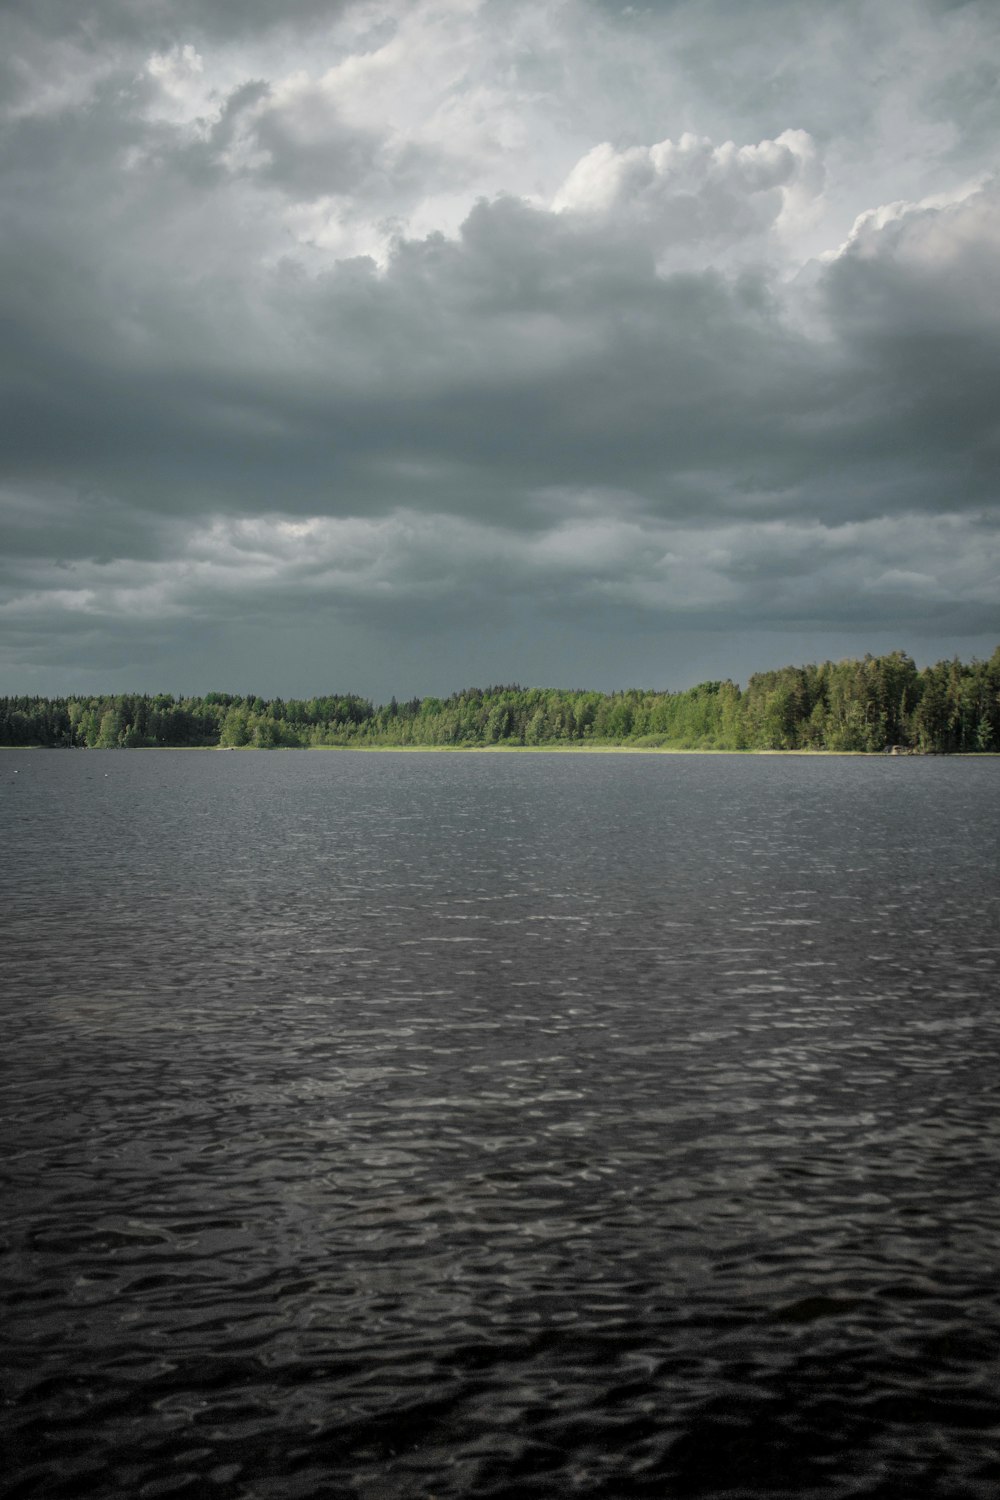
x=456, y=1126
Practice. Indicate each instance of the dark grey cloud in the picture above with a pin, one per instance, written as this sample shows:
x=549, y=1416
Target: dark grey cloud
x=245, y=374
x=543, y=351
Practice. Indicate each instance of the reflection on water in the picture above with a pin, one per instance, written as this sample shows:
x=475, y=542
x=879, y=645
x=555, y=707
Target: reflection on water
x=409, y=1126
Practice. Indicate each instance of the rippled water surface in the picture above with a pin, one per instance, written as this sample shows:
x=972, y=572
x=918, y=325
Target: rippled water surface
x=474, y=1125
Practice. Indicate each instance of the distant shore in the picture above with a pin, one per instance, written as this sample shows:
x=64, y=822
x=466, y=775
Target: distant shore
x=906, y=754
x=881, y=705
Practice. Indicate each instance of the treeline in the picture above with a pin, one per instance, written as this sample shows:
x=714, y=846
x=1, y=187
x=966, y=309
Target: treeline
x=866, y=705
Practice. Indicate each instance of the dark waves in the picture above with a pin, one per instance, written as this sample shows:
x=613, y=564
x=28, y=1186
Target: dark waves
x=405, y=1127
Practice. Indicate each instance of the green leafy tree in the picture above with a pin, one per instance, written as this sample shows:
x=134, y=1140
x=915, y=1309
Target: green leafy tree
x=235, y=727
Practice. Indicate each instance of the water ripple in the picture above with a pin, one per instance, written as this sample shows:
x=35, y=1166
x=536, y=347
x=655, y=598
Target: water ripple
x=456, y=1127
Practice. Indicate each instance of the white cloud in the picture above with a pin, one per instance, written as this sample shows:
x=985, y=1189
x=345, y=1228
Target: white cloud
x=691, y=192
x=939, y=225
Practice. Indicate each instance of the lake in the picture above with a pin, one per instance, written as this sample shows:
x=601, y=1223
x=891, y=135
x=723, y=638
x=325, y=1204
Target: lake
x=395, y=1126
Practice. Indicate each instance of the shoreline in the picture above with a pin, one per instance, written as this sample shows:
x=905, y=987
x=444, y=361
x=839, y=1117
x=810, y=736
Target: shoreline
x=532, y=750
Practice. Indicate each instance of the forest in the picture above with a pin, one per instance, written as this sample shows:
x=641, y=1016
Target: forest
x=871, y=705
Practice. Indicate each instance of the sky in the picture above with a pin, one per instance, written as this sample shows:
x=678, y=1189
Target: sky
x=398, y=346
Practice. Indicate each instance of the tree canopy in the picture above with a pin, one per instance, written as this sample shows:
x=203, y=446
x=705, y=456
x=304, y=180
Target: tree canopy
x=866, y=705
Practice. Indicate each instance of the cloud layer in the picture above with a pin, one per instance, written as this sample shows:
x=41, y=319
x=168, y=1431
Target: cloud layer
x=382, y=324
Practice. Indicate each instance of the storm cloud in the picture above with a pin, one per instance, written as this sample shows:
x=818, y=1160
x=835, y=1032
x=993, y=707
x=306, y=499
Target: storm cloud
x=391, y=347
